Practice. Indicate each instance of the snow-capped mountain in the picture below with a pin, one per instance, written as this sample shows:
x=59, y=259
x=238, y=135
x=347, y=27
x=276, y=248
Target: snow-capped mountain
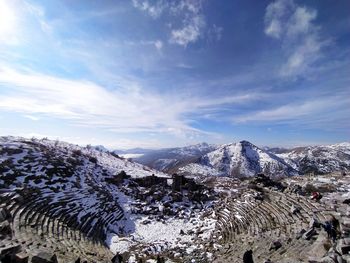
x=319, y=159
x=168, y=160
x=245, y=159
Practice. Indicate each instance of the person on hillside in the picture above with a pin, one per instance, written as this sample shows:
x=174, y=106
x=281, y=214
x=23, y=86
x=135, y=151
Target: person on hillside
x=328, y=227
x=316, y=196
x=248, y=257
x=331, y=227
x=334, y=228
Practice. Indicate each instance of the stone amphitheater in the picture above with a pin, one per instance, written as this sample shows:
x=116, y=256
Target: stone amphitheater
x=32, y=228
x=279, y=224
x=65, y=213
x=285, y=224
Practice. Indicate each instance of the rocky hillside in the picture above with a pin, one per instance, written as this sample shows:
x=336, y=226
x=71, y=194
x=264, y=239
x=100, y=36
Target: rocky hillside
x=319, y=159
x=81, y=199
x=244, y=159
x=64, y=203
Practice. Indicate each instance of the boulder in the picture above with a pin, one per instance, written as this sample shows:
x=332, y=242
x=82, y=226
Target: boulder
x=346, y=241
x=10, y=249
x=21, y=257
x=5, y=228
x=344, y=249
x=300, y=234
x=44, y=257
x=309, y=234
x=3, y=214
x=275, y=245
x=346, y=222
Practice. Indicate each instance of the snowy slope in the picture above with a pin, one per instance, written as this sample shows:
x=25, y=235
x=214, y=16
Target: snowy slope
x=319, y=159
x=69, y=178
x=245, y=159
x=58, y=169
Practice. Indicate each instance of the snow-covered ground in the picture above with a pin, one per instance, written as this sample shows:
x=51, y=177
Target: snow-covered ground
x=81, y=176
x=159, y=236
x=195, y=169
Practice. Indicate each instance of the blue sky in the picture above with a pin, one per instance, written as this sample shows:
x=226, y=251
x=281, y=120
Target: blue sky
x=142, y=73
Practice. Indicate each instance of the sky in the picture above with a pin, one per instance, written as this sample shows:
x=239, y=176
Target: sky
x=157, y=73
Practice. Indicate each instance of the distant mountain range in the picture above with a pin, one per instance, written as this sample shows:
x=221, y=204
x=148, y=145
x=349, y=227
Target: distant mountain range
x=169, y=159
x=244, y=159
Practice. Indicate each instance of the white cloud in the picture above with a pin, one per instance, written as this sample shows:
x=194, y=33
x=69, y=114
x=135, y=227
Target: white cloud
x=189, y=33
x=302, y=57
x=154, y=10
x=326, y=113
x=294, y=26
x=275, y=15
x=188, y=12
x=8, y=23
x=158, y=44
x=31, y=117
x=301, y=22
x=130, y=108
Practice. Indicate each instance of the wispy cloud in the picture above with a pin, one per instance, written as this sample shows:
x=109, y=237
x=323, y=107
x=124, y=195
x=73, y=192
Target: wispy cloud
x=189, y=33
x=189, y=13
x=192, y=25
x=301, y=41
x=154, y=9
x=129, y=108
x=215, y=33
x=33, y=118
x=329, y=113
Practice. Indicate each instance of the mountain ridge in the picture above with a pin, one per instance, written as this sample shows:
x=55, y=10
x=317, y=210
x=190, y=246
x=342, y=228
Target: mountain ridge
x=274, y=161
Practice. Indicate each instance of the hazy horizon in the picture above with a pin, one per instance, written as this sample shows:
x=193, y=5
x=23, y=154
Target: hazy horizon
x=159, y=74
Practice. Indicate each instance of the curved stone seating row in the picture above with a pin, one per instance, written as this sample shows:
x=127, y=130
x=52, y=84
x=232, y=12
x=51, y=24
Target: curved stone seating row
x=256, y=224
x=38, y=223
x=245, y=218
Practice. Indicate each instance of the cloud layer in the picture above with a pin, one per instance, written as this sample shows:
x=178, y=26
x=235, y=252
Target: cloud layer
x=126, y=109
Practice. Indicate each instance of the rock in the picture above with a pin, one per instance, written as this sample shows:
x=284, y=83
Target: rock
x=300, y=234
x=295, y=209
x=44, y=257
x=346, y=241
x=344, y=249
x=314, y=223
x=21, y=257
x=5, y=228
x=340, y=259
x=309, y=233
x=346, y=222
x=327, y=259
x=346, y=201
x=275, y=245
x=3, y=214
x=10, y=249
